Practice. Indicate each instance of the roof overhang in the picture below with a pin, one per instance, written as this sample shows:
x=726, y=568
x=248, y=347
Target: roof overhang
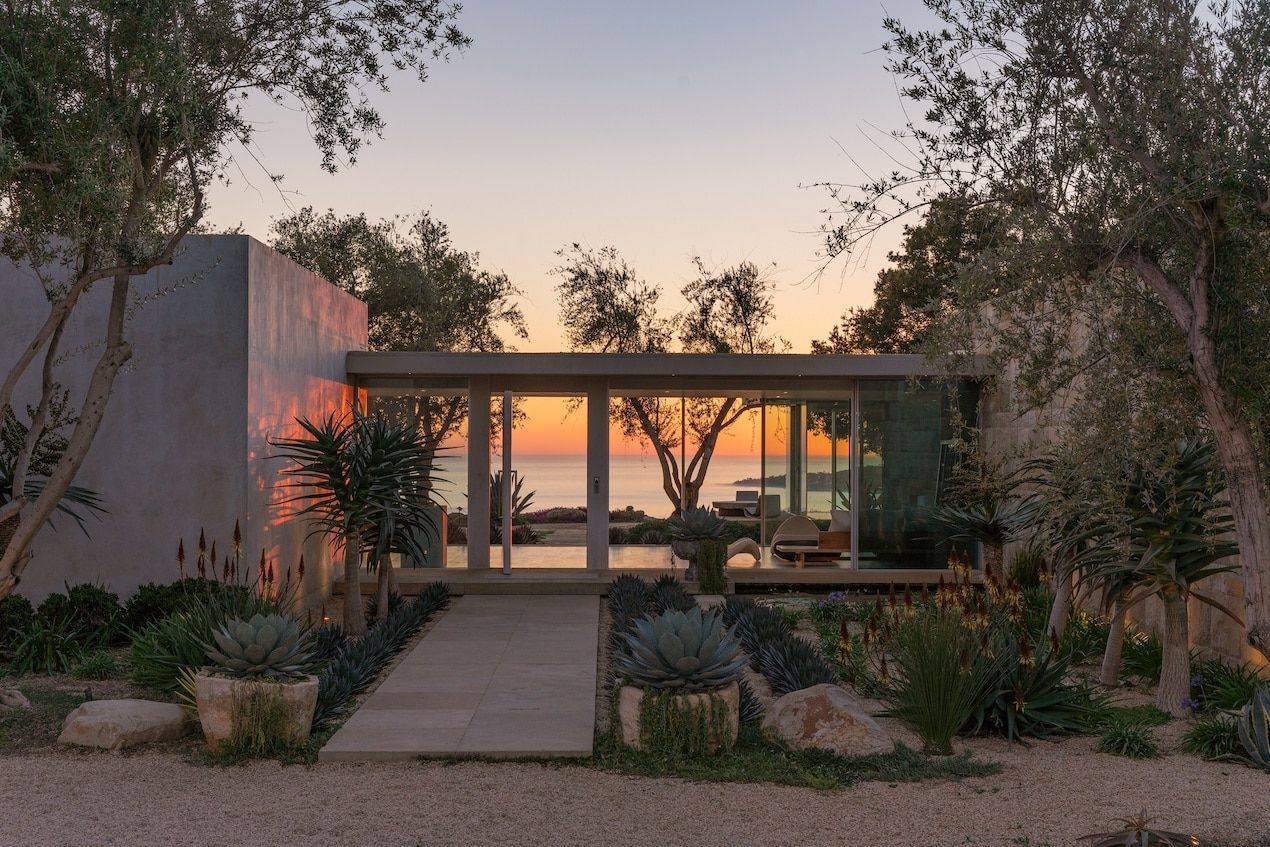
x=652, y=372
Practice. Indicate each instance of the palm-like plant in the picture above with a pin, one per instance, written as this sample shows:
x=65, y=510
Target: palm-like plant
x=985, y=506
x=367, y=482
x=1171, y=534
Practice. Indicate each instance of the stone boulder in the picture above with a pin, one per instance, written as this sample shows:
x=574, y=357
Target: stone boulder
x=11, y=699
x=827, y=717
x=116, y=724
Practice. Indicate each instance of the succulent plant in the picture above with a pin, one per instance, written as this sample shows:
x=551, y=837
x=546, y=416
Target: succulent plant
x=791, y=664
x=264, y=646
x=1254, y=729
x=688, y=651
x=668, y=594
x=696, y=524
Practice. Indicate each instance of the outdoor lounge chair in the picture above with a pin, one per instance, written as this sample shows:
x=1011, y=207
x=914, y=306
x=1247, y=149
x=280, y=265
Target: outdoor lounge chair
x=745, y=545
x=797, y=540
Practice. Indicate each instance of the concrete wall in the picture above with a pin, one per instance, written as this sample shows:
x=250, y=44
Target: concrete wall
x=230, y=343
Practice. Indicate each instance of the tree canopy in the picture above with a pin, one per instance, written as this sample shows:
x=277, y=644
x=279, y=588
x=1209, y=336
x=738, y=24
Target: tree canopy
x=116, y=117
x=1123, y=146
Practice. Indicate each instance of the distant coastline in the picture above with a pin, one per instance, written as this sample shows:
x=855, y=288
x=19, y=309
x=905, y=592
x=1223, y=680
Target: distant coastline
x=816, y=481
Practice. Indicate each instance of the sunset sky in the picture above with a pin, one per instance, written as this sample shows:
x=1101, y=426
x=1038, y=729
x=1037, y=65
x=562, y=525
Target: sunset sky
x=666, y=129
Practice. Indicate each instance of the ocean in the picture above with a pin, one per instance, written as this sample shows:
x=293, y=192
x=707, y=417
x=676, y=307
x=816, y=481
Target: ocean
x=634, y=480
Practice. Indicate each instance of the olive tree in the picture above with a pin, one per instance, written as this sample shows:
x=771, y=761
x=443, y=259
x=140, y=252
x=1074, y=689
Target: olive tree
x=1124, y=147
x=114, y=120
x=422, y=293
x=605, y=307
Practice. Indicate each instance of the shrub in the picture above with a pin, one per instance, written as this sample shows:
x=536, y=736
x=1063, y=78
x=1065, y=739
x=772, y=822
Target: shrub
x=1212, y=737
x=1030, y=697
x=47, y=645
x=836, y=608
x=711, y=567
x=15, y=613
x=1218, y=686
x=1128, y=739
x=1142, y=656
x=1085, y=637
x=165, y=648
x=938, y=676
x=155, y=601
x=98, y=665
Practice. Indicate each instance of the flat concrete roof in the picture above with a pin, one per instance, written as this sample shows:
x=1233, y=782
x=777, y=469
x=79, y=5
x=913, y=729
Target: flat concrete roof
x=760, y=368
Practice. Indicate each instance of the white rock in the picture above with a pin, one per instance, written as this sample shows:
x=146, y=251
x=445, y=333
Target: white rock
x=116, y=724
x=827, y=717
x=12, y=699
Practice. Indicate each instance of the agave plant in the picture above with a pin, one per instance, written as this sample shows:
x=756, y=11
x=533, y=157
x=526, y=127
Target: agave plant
x=266, y=646
x=686, y=651
x=1137, y=832
x=520, y=503
x=691, y=526
x=1254, y=730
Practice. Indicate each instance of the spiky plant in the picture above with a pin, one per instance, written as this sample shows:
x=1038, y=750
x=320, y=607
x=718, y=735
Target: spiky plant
x=755, y=626
x=1137, y=832
x=367, y=482
x=1254, y=730
x=790, y=663
x=668, y=594
x=686, y=651
x=263, y=647
x=696, y=524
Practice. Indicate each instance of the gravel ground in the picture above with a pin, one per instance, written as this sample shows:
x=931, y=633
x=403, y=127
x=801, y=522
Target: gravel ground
x=1049, y=794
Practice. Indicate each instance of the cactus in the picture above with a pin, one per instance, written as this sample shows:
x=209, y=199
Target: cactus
x=264, y=646
x=687, y=651
x=1254, y=729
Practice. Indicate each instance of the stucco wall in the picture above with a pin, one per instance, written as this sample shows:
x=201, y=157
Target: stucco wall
x=229, y=342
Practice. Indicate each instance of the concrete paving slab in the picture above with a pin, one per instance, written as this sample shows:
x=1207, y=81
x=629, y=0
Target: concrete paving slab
x=499, y=676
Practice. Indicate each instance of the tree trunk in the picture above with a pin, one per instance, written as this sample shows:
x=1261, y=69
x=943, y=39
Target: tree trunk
x=1061, y=608
x=383, y=587
x=1249, y=504
x=1110, y=675
x=354, y=613
x=993, y=557
x=1174, y=692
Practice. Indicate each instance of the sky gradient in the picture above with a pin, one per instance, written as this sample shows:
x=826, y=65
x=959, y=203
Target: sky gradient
x=668, y=130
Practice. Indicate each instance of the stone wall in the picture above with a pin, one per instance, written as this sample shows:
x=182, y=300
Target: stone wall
x=230, y=344
x=1009, y=431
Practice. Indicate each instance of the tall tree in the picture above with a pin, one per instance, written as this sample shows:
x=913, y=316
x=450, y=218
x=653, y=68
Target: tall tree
x=422, y=292
x=921, y=286
x=115, y=117
x=1125, y=145
x=605, y=307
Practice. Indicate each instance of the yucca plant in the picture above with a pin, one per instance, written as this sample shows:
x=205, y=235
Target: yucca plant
x=369, y=483
x=521, y=501
x=686, y=651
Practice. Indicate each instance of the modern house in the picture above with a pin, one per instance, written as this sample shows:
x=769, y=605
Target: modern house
x=234, y=341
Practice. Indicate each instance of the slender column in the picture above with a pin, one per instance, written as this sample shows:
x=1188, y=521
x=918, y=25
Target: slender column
x=509, y=516
x=856, y=458
x=478, y=432
x=597, y=472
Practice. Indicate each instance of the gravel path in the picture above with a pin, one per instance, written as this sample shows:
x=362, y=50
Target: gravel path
x=1050, y=794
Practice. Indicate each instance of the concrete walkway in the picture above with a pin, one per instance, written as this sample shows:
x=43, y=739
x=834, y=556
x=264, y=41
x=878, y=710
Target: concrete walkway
x=498, y=676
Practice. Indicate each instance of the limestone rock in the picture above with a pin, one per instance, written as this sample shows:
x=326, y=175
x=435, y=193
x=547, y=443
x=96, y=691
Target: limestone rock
x=11, y=699
x=827, y=717
x=629, y=699
x=116, y=724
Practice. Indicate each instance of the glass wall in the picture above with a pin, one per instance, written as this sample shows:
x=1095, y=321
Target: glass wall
x=439, y=409
x=909, y=435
